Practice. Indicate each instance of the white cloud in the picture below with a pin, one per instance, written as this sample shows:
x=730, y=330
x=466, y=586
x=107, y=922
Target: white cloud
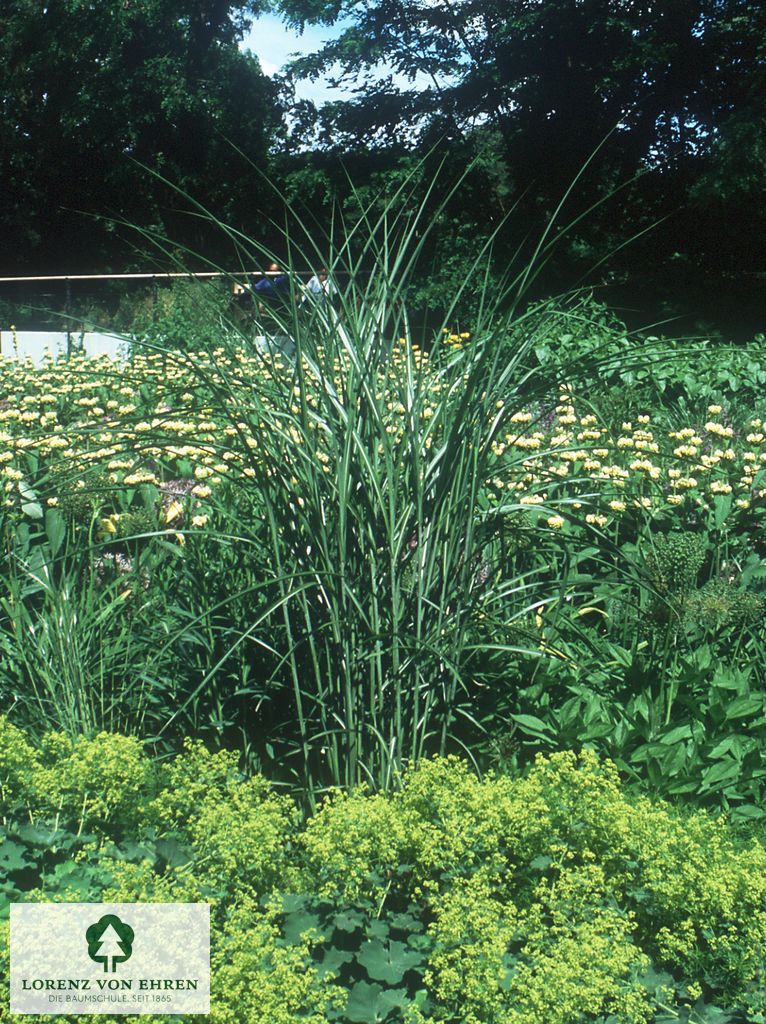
x=268, y=68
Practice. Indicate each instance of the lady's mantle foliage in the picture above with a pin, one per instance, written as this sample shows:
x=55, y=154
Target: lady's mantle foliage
x=549, y=899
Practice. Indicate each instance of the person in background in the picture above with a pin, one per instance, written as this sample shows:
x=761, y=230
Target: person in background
x=273, y=289
x=272, y=293
x=319, y=288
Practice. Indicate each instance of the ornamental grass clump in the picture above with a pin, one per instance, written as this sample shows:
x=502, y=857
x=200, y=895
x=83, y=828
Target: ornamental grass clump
x=364, y=459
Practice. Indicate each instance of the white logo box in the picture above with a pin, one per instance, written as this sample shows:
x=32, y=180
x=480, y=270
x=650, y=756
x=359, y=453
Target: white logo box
x=118, y=958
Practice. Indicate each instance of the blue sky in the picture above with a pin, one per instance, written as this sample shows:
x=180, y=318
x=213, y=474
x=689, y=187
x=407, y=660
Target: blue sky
x=274, y=44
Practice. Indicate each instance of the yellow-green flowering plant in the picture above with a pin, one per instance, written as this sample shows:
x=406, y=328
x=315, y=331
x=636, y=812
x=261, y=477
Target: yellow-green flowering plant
x=555, y=898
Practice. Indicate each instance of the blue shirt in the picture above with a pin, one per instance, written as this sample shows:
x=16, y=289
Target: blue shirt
x=274, y=290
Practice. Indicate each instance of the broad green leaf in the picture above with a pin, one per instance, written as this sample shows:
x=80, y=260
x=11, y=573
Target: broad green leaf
x=388, y=962
x=719, y=773
x=333, y=961
x=531, y=724
x=55, y=529
x=13, y=856
x=742, y=707
x=370, y=1004
x=349, y=920
x=721, y=509
x=173, y=852
x=681, y=732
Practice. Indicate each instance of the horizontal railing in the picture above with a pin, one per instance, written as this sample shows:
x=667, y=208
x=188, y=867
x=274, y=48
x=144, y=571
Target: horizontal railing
x=159, y=276
x=40, y=301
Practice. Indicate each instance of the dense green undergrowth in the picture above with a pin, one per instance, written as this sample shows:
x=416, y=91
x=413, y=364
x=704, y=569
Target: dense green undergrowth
x=337, y=564
x=455, y=618
x=549, y=899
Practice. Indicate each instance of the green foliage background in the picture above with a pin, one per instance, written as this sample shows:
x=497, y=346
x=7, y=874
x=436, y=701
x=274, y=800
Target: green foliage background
x=655, y=112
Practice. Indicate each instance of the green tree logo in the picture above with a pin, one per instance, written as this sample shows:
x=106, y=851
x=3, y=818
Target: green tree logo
x=109, y=939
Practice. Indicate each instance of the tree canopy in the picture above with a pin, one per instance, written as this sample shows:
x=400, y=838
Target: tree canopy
x=91, y=91
x=554, y=77
x=541, y=88
x=667, y=97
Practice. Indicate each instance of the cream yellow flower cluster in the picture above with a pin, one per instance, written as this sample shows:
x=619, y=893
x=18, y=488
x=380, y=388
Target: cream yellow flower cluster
x=157, y=418
x=552, y=457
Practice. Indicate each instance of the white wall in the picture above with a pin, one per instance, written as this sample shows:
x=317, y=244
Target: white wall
x=34, y=343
